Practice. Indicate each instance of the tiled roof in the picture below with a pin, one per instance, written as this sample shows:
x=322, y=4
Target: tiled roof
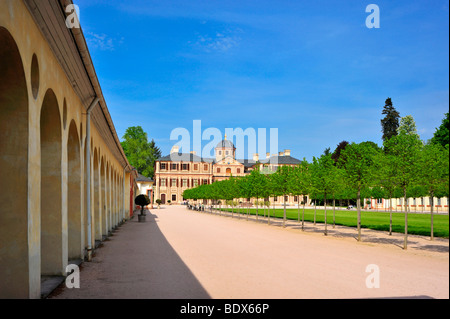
x=142, y=178
x=184, y=157
x=225, y=143
x=286, y=159
x=187, y=157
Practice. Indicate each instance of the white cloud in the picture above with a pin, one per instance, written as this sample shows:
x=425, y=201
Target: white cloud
x=219, y=42
x=102, y=41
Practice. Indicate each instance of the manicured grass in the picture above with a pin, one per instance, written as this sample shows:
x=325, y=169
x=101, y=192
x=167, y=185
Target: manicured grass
x=418, y=223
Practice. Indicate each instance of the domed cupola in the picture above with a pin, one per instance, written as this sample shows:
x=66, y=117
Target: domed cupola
x=225, y=148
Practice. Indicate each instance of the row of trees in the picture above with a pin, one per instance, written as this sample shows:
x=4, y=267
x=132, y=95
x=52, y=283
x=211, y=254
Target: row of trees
x=403, y=167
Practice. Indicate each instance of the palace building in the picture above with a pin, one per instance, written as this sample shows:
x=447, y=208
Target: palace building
x=179, y=171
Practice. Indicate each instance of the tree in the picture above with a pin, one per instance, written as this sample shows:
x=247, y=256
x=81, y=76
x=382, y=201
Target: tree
x=281, y=180
x=299, y=183
x=142, y=200
x=403, y=155
x=339, y=148
x=434, y=172
x=407, y=126
x=441, y=136
x=358, y=164
x=140, y=153
x=389, y=124
x=385, y=178
x=257, y=183
x=324, y=176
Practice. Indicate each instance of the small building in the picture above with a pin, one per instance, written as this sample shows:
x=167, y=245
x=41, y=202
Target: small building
x=145, y=186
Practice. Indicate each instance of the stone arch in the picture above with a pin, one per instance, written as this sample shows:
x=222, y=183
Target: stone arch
x=74, y=217
x=86, y=163
x=96, y=197
x=103, y=197
x=113, y=197
x=52, y=260
x=14, y=269
x=108, y=194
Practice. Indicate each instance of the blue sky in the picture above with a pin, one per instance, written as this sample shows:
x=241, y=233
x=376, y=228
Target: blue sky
x=312, y=69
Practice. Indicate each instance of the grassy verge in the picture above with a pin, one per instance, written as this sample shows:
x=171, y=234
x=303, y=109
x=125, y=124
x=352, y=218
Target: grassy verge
x=418, y=223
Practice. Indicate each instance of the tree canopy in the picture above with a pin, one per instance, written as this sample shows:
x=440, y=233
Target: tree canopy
x=390, y=123
x=140, y=153
x=441, y=136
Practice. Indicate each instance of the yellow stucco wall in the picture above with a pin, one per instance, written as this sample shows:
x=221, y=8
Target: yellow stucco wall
x=16, y=19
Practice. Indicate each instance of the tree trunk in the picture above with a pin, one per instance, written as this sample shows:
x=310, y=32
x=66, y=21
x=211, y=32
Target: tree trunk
x=315, y=205
x=334, y=215
x=303, y=216
x=358, y=205
x=432, y=204
x=390, y=216
x=405, y=244
x=239, y=211
x=256, y=208
x=325, y=212
x=232, y=209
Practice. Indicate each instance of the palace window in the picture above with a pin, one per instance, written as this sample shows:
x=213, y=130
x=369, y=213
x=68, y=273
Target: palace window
x=295, y=198
x=227, y=152
x=205, y=181
x=163, y=182
x=174, y=197
x=195, y=182
x=195, y=167
x=205, y=167
x=173, y=182
x=184, y=182
x=380, y=201
x=220, y=152
x=163, y=166
x=218, y=169
x=228, y=170
x=238, y=170
x=275, y=199
x=185, y=167
x=173, y=167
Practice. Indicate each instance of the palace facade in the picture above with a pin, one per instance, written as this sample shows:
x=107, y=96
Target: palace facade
x=177, y=172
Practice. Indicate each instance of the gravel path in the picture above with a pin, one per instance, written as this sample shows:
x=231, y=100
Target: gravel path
x=178, y=253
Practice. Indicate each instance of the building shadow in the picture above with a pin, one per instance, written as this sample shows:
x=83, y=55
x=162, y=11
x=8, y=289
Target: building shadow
x=136, y=263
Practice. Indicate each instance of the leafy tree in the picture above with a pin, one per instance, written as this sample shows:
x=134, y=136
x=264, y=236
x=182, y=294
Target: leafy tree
x=281, y=179
x=441, y=136
x=403, y=156
x=299, y=183
x=257, y=183
x=385, y=178
x=390, y=123
x=407, y=126
x=140, y=153
x=358, y=164
x=434, y=173
x=324, y=176
x=339, y=148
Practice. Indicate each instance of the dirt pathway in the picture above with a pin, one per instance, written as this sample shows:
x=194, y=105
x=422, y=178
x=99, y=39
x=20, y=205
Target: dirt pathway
x=180, y=253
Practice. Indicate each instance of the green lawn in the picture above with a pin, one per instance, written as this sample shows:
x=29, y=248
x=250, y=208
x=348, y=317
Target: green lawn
x=418, y=223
